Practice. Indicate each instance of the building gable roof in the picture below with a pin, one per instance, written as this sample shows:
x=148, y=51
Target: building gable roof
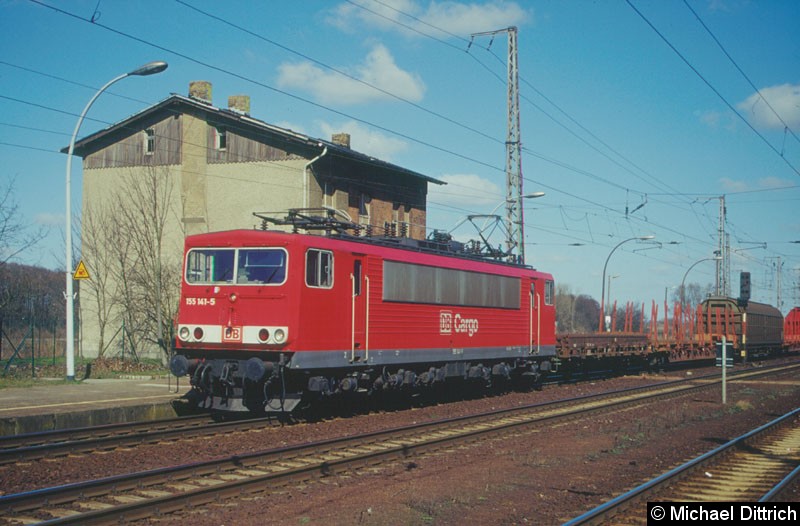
x=178, y=104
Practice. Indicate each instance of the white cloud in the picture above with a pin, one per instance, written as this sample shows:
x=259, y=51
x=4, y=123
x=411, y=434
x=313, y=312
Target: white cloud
x=49, y=219
x=784, y=99
x=464, y=19
x=468, y=191
x=365, y=140
x=716, y=119
x=451, y=17
x=765, y=183
x=729, y=185
x=295, y=127
x=774, y=182
x=378, y=69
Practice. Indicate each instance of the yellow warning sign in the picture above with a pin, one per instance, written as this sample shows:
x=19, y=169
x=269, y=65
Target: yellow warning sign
x=81, y=272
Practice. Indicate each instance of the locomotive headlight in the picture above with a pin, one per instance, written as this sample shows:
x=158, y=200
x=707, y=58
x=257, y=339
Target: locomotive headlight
x=183, y=334
x=198, y=333
x=263, y=335
x=279, y=335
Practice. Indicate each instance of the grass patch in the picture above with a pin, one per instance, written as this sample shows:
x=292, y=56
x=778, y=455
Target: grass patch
x=21, y=374
x=740, y=406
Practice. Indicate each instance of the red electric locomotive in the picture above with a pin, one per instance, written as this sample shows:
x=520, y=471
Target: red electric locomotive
x=269, y=318
x=791, y=329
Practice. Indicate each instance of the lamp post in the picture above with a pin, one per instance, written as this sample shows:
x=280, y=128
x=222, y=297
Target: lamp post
x=683, y=290
x=150, y=68
x=605, y=266
x=610, y=279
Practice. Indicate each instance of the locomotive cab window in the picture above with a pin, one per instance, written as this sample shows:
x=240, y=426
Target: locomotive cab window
x=262, y=266
x=210, y=265
x=319, y=268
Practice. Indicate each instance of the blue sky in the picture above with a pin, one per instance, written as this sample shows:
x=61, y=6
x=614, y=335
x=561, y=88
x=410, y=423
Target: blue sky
x=625, y=105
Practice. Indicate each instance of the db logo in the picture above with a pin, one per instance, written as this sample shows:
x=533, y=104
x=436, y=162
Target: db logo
x=445, y=322
x=232, y=334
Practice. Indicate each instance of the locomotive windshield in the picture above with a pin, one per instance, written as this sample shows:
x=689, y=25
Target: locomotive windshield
x=252, y=266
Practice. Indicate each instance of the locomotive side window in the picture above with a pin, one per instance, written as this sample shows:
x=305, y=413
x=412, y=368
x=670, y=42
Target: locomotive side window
x=357, y=278
x=210, y=265
x=261, y=266
x=410, y=283
x=319, y=268
x=549, y=292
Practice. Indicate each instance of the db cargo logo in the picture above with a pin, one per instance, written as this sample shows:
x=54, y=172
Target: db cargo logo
x=449, y=324
x=232, y=334
x=445, y=322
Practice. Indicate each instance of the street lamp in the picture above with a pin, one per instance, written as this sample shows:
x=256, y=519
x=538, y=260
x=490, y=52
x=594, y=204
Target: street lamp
x=610, y=279
x=510, y=242
x=534, y=195
x=150, y=68
x=496, y=218
x=520, y=242
x=683, y=291
x=605, y=266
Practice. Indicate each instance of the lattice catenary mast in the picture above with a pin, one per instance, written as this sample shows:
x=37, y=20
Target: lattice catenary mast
x=515, y=219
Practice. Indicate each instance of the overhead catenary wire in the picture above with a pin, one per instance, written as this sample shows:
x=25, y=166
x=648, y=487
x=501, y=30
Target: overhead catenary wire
x=741, y=71
x=272, y=88
x=578, y=197
x=712, y=88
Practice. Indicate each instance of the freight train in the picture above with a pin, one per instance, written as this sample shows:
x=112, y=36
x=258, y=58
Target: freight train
x=270, y=319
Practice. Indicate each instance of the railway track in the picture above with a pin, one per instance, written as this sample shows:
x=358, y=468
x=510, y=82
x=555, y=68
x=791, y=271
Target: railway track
x=755, y=467
x=62, y=443
x=140, y=495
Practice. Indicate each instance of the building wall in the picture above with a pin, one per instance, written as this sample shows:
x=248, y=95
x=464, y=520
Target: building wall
x=107, y=190
x=236, y=191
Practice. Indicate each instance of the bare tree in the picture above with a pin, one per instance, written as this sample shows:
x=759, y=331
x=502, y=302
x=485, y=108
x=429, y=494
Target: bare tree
x=694, y=294
x=15, y=235
x=565, y=308
x=575, y=313
x=148, y=278
x=587, y=312
x=98, y=252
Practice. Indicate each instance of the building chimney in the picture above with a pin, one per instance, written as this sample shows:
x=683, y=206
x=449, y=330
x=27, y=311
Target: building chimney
x=239, y=103
x=200, y=89
x=342, y=139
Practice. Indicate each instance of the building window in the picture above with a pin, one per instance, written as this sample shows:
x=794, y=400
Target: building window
x=149, y=141
x=221, y=139
x=363, y=204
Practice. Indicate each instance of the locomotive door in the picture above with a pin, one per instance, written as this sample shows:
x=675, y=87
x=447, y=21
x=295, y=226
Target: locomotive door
x=534, y=319
x=359, y=311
